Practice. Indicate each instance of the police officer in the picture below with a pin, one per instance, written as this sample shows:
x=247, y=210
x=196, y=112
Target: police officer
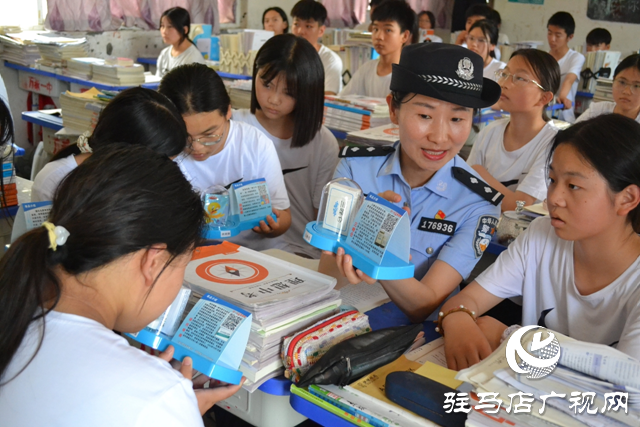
x=434, y=90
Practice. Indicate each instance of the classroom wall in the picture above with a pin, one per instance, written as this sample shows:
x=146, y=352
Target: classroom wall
x=523, y=22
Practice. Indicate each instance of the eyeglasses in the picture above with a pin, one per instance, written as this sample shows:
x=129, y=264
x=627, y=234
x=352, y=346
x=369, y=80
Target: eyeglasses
x=517, y=79
x=206, y=140
x=622, y=85
x=471, y=39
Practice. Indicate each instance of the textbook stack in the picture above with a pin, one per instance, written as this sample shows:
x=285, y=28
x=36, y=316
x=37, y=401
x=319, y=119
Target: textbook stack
x=81, y=68
x=118, y=72
x=378, y=136
x=17, y=48
x=592, y=378
x=80, y=111
x=9, y=192
x=603, y=63
x=239, y=92
x=603, y=90
x=355, y=112
x=56, y=51
x=283, y=298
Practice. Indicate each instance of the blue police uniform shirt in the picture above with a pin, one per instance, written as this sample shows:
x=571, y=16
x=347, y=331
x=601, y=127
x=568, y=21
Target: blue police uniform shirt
x=449, y=221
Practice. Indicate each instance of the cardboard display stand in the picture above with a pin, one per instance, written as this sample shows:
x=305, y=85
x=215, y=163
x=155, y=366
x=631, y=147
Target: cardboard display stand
x=214, y=334
x=247, y=204
x=374, y=232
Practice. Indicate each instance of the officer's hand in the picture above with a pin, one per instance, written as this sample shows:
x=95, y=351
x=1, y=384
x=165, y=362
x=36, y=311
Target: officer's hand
x=464, y=342
x=270, y=225
x=392, y=197
x=345, y=265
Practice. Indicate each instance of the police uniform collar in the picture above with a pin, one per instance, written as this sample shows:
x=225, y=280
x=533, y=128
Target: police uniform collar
x=391, y=165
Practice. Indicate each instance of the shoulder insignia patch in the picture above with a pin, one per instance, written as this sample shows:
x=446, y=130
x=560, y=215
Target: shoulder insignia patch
x=477, y=185
x=366, y=151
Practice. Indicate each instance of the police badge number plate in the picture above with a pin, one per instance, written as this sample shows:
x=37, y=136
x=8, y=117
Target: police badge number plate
x=486, y=227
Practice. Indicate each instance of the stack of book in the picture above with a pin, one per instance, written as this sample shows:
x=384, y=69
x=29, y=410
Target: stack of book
x=381, y=135
x=56, y=51
x=9, y=191
x=603, y=90
x=81, y=68
x=118, y=72
x=80, y=111
x=603, y=62
x=283, y=298
x=594, y=385
x=240, y=93
x=355, y=112
x=19, y=49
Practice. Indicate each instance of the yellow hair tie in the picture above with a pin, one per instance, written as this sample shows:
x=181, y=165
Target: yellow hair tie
x=57, y=234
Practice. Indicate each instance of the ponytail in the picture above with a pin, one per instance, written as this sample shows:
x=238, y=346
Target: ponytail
x=122, y=199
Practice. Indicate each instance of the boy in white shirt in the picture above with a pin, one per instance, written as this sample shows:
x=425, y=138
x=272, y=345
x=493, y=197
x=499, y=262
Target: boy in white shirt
x=308, y=22
x=392, y=23
x=560, y=29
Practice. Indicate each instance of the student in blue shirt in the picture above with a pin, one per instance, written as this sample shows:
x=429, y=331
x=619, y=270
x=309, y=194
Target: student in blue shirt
x=434, y=91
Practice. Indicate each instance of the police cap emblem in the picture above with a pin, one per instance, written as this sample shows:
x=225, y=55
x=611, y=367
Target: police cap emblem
x=465, y=69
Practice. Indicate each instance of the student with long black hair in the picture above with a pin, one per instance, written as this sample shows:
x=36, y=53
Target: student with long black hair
x=135, y=116
x=111, y=256
x=577, y=269
x=482, y=39
x=275, y=19
x=286, y=105
x=222, y=151
x=174, y=28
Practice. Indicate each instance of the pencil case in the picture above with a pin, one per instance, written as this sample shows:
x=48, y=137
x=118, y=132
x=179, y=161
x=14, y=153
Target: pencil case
x=302, y=350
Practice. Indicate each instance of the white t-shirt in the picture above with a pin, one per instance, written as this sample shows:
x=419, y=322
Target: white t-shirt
x=50, y=177
x=166, y=62
x=570, y=63
x=332, y=69
x=489, y=72
x=306, y=170
x=519, y=170
x=86, y=375
x=367, y=82
x=538, y=265
x=247, y=154
x=599, y=108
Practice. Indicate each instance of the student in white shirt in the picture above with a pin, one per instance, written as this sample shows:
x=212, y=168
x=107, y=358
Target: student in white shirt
x=112, y=256
x=222, y=151
x=510, y=154
x=309, y=19
x=174, y=29
x=287, y=103
x=482, y=39
x=626, y=92
x=135, y=116
x=392, y=23
x=578, y=269
x=560, y=29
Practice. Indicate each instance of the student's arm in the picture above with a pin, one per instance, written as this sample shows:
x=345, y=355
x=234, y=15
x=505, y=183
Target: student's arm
x=462, y=37
x=415, y=298
x=465, y=344
x=565, y=89
x=510, y=197
x=629, y=342
x=271, y=170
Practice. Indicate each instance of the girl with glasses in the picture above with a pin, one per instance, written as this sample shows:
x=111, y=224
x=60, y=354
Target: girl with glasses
x=509, y=154
x=221, y=151
x=626, y=92
x=482, y=39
